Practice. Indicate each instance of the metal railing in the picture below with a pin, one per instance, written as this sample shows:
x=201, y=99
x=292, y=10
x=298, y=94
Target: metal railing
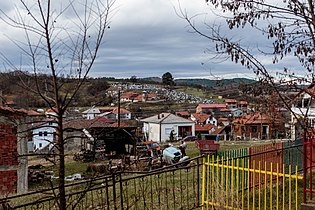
x=172, y=187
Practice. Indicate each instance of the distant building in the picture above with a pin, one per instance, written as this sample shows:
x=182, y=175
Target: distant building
x=43, y=136
x=231, y=103
x=184, y=114
x=107, y=112
x=255, y=125
x=91, y=113
x=210, y=108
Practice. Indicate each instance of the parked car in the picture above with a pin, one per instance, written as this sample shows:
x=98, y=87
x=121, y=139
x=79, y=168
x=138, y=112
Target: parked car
x=190, y=138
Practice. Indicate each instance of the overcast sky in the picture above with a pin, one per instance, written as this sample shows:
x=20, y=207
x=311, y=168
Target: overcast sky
x=147, y=38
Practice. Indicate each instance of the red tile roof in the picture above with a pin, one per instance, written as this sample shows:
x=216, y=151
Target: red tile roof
x=206, y=127
x=230, y=101
x=10, y=110
x=225, y=110
x=113, y=109
x=184, y=113
x=200, y=117
x=242, y=102
x=254, y=118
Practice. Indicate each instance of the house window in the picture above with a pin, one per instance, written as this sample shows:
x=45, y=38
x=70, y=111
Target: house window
x=40, y=133
x=40, y=145
x=45, y=133
x=50, y=123
x=254, y=129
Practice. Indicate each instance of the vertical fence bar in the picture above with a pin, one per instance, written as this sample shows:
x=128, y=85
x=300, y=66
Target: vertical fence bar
x=290, y=176
x=121, y=192
x=304, y=166
x=114, y=190
x=259, y=185
x=227, y=182
x=270, y=190
x=243, y=187
x=198, y=180
x=311, y=167
x=283, y=190
x=232, y=183
x=277, y=188
x=248, y=183
x=222, y=179
x=265, y=186
x=237, y=181
x=296, y=187
x=212, y=184
x=217, y=176
x=253, y=185
x=207, y=180
x=203, y=182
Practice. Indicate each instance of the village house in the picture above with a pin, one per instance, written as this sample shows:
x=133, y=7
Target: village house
x=124, y=113
x=304, y=107
x=205, y=129
x=231, y=103
x=200, y=118
x=184, y=114
x=91, y=113
x=223, y=121
x=43, y=136
x=203, y=119
x=129, y=96
x=111, y=113
x=162, y=126
x=210, y=108
x=243, y=105
x=255, y=126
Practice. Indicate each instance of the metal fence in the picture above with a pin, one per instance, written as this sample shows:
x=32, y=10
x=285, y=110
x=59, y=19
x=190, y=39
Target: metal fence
x=235, y=184
x=288, y=153
x=172, y=187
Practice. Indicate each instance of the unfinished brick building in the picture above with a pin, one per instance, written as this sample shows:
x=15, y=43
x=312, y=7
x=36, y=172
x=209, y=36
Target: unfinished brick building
x=13, y=148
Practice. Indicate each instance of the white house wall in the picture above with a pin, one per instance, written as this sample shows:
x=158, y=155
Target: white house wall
x=40, y=142
x=153, y=131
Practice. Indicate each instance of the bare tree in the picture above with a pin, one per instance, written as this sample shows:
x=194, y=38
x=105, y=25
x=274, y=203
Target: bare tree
x=288, y=29
x=62, y=40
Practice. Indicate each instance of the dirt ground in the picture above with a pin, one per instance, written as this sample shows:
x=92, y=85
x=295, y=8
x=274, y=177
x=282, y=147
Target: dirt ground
x=42, y=161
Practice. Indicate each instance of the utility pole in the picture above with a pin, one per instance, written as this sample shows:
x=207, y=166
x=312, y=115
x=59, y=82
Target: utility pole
x=118, y=108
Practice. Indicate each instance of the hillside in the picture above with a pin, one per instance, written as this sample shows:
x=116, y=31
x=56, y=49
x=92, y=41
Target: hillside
x=214, y=83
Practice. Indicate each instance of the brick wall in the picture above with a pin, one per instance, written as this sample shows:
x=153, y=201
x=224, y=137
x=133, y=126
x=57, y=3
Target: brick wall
x=8, y=159
x=8, y=181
